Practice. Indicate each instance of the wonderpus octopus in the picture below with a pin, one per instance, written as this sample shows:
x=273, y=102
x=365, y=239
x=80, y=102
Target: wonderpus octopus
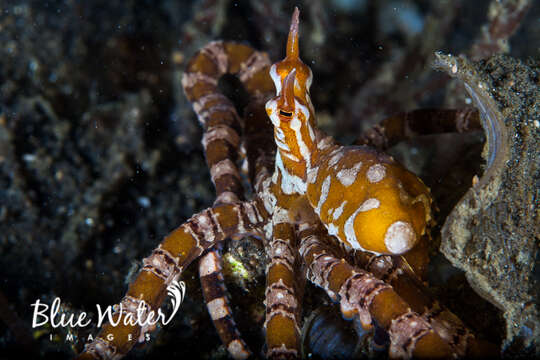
x=347, y=218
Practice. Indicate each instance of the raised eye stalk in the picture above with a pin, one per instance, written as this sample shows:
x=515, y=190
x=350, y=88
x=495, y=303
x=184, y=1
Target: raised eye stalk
x=292, y=42
x=286, y=100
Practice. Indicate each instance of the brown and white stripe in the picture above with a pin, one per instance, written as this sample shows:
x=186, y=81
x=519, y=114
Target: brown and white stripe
x=166, y=263
x=394, y=271
x=222, y=145
x=282, y=304
x=361, y=294
x=215, y=296
x=217, y=114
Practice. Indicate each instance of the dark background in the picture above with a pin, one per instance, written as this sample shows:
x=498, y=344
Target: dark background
x=100, y=153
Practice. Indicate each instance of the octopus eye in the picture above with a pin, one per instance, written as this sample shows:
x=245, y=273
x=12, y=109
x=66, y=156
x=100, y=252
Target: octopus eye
x=285, y=113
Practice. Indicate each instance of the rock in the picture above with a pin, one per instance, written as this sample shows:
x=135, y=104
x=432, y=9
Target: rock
x=493, y=232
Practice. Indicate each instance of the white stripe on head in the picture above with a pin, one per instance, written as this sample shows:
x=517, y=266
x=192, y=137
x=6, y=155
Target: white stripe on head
x=271, y=108
x=296, y=125
x=276, y=78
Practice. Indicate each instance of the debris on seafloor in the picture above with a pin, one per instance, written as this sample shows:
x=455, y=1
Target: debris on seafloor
x=100, y=152
x=493, y=232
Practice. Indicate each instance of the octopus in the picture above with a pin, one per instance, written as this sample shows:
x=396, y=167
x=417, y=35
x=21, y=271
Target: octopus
x=349, y=219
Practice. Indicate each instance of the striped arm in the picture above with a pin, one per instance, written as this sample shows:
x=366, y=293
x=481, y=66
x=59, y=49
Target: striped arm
x=397, y=273
x=221, y=142
x=229, y=190
x=216, y=113
x=165, y=265
x=361, y=294
x=215, y=296
x=282, y=303
x=406, y=125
